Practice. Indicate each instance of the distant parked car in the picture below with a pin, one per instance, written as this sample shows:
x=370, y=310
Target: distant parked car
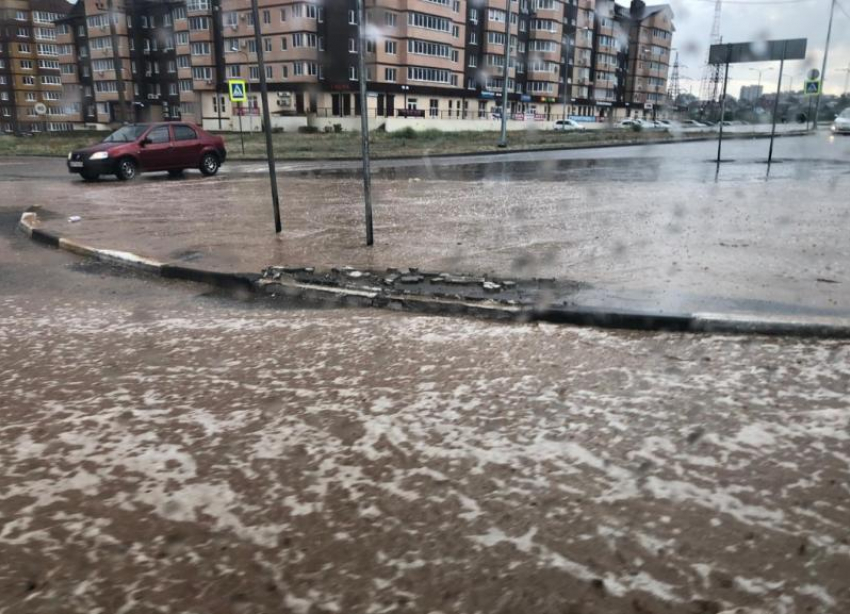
x=692, y=123
x=142, y=148
x=841, y=125
x=566, y=125
x=629, y=122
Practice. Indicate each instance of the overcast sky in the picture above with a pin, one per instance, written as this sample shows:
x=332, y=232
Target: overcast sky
x=762, y=21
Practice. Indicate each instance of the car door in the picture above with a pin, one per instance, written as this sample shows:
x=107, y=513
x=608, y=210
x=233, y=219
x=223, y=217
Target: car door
x=157, y=152
x=187, y=146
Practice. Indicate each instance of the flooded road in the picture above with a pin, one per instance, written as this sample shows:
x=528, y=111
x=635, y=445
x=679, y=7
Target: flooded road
x=168, y=449
x=656, y=227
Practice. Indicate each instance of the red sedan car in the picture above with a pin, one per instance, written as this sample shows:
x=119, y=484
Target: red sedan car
x=142, y=148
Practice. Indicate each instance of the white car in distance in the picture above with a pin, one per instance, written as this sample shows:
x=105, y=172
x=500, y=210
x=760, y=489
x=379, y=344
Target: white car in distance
x=567, y=125
x=841, y=125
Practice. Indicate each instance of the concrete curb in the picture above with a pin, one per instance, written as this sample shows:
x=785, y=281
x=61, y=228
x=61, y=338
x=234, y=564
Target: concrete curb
x=503, y=152
x=316, y=294
x=498, y=152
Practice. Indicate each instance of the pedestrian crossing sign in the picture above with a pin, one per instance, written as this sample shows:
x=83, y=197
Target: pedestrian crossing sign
x=238, y=92
x=812, y=87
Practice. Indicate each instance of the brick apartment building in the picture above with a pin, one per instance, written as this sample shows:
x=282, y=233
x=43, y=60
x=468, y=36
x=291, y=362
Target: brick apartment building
x=440, y=58
x=30, y=79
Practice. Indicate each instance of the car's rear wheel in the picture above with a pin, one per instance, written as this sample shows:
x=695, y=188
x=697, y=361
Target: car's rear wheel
x=209, y=164
x=127, y=169
x=89, y=175
x=176, y=173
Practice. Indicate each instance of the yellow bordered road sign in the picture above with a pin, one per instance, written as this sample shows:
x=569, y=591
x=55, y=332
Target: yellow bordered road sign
x=238, y=90
x=812, y=87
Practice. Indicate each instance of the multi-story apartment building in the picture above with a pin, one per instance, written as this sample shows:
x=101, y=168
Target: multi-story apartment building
x=437, y=58
x=31, y=97
x=648, y=61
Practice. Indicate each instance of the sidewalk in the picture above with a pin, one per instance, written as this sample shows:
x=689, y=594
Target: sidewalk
x=639, y=236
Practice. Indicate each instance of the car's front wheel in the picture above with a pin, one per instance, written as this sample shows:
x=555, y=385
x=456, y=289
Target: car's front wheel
x=209, y=164
x=127, y=169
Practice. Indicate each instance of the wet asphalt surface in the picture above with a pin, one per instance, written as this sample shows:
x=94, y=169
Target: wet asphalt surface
x=657, y=228
x=166, y=448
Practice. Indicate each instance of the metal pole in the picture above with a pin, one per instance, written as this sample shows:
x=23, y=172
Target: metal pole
x=219, y=103
x=241, y=135
x=823, y=68
x=116, y=62
x=503, y=139
x=809, y=114
x=564, y=110
x=364, y=118
x=267, y=121
x=723, y=102
x=776, y=105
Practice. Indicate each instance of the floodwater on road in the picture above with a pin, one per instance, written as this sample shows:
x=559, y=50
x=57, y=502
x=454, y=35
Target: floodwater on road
x=658, y=226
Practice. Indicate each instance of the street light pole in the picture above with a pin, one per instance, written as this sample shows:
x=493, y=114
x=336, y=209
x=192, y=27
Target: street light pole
x=823, y=67
x=267, y=120
x=758, y=87
x=846, y=72
x=503, y=140
x=364, y=118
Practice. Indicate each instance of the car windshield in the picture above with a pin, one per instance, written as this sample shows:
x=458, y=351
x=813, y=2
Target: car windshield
x=542, y=309
x=126, y=134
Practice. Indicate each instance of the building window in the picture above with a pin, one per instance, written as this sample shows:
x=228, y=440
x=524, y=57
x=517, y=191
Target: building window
x=389, y=74
x=202, y=73
x=434, y=110
x=352, y=73
x=390, y=47
x=199, y=23
x=352, y=18
x=390, y=19
x=197, y=5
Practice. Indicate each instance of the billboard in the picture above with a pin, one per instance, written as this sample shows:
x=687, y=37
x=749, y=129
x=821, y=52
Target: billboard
x=758, y=51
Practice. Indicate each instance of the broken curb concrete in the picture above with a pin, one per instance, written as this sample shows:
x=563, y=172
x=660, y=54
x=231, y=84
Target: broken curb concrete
x=439, y=294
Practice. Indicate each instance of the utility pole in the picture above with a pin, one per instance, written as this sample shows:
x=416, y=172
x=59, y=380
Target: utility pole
x=503, y=140
x=776, y=106
x=364, y=118
x=117, y=64
x=267, y=120
x=758, y=88
x=823, y=67
x=846, y=72
x=723, y=103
